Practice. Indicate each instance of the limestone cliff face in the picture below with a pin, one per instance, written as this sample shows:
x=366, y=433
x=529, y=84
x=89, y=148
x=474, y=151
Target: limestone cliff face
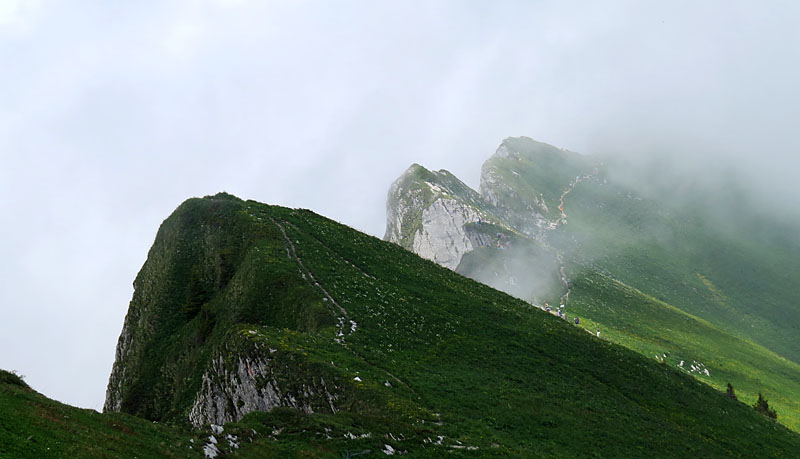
x=427, y=212
x=230, y=390
x=442, y=238
x=522, y=187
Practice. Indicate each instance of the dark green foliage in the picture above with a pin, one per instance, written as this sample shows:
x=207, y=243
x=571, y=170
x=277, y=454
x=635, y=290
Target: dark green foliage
x=730, y=393
x=11, y=377
x=199, y=292
x=762, y=407
x=32, y=426
x=206, y=322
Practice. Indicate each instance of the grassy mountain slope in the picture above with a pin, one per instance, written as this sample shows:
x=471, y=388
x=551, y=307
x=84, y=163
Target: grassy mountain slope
x=419, y=358
x=698, y=256
x=740, y=278
x=685, y=342
x=740, y=273
x=33, y=426
x=525, y=176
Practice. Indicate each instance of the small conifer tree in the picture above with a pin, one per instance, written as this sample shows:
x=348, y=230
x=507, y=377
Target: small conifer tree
x=763, y=407
x=730, y=392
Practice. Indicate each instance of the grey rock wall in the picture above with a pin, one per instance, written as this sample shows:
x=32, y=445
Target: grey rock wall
x=230, y=391
x=442, y=237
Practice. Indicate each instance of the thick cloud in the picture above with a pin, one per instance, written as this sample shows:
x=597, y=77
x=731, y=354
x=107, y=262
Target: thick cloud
x=112, y=113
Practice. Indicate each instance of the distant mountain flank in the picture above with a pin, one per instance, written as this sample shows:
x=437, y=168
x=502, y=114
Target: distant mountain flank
x=668, y=277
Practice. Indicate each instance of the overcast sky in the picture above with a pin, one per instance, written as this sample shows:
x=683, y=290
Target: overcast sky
x=113, y=113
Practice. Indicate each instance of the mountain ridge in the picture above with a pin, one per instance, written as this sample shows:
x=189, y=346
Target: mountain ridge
x=413, y=342
x=566, y=235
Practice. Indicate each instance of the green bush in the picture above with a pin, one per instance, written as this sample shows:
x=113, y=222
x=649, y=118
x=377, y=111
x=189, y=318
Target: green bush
x=762, y=407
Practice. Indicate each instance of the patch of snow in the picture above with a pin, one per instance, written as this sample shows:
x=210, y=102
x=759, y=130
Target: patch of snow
x=216, y=429
x=357, y=379
x=212, y=439
x=388, y=450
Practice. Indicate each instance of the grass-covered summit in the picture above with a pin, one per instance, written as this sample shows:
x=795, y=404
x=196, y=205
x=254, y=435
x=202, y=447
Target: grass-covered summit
x=243, y=306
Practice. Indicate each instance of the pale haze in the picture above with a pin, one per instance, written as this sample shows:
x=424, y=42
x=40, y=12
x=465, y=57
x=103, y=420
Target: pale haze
x=113, y=113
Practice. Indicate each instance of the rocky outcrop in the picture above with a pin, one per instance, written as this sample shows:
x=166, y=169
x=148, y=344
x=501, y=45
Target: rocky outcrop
x=442, y=238
x=500, y=184
x=426, y=212
x=231, y=390
x=521, y=194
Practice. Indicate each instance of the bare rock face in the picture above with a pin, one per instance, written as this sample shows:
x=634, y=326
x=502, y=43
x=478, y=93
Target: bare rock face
x=521, y=192
x=427, y=212
x=231, y=390
x=442, y=237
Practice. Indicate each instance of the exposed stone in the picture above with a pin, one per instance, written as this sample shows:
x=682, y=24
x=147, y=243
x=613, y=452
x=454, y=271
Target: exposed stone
x=427, y=211
x=229, y=392
x=442, y=237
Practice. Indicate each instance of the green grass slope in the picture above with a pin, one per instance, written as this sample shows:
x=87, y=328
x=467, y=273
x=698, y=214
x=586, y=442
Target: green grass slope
x=33, y=426
x=738, y=272
x=682, y=341
x=429, y=362
x=526, y=175
x=664, y=255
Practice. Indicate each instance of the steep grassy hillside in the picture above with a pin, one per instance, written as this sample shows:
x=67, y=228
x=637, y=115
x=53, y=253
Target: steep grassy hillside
x=665, y=255
x=737, y=271
x=408, y=355
x=525, y=177
x=33, y=426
